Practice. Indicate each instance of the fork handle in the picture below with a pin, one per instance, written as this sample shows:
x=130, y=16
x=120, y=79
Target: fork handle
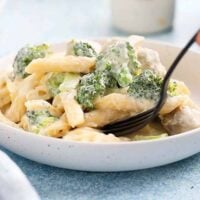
x=163, y=94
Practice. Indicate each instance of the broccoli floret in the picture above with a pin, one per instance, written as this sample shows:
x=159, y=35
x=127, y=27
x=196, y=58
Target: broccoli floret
x=40, y=119
x=60, y=82
x=71, y=80
x=25, y=55
x=115, y=67
x=92, y=86
x=124, y=77
x=54, y=82
x=120, y=60
x=133, y=62
x=107, y=78
x=148, y=85
x=172, y=88
x=84, y=49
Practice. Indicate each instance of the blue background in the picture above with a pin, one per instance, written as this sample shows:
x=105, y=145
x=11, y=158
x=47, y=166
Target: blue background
x=34, y=21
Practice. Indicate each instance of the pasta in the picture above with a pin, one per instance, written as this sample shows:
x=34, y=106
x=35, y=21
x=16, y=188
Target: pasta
x=40, y=92
x=87, y=134
x=74, y=113
x=71, y=95
x=4, y=97
x=99, y=118
x=61, y=64
x=4, y=91
x=57, y=129
x=17, y=108
x=7, y=121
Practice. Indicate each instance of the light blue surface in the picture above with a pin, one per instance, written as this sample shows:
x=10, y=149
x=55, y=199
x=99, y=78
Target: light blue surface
x=36, y=21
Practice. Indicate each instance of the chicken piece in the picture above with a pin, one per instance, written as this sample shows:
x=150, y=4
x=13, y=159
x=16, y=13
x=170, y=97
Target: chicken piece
x=174, y=102
x=149, y=59
x=181, y=119
x=134, y=40
x=181, y=88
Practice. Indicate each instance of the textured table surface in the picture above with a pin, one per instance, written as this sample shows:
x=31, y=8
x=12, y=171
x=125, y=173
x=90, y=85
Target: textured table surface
x=36, y=21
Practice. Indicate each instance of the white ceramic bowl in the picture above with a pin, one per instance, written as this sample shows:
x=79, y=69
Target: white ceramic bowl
x=113, y=156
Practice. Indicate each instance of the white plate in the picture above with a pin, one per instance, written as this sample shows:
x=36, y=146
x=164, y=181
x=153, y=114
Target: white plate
x=113, y=156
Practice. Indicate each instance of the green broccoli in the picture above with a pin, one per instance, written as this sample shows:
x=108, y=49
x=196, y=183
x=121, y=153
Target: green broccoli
x=53, y=83
x=40, y=119
x=149, y=137
x=133, y=63
x=92, y=86
x=172, y=88
x=107, y=78
x=71, y=80
x=148, y=85
x=120, y=60
x=84, y=49
x=124, y=77
x=115, y=68
x=25, y=55
x=60, y=82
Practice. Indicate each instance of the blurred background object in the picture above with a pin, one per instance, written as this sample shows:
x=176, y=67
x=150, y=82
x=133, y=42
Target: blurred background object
x=36, y=21
x=2, y=3
x=143, y=16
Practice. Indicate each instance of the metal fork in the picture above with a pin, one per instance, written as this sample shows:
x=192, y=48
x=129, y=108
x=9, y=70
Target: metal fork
x=134, y=123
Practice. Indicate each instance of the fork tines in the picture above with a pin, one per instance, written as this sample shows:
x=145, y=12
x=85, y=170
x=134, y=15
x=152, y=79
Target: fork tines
x=129, y=125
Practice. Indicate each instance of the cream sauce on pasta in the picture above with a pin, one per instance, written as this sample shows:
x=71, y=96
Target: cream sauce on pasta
x=60, y=114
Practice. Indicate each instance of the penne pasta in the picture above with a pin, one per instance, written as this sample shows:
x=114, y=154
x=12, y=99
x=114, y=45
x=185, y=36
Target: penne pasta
x=61, y=64
x=12, y=87
x=2, y=81
x=87, y=134
x=17, y=109
x=58, y=129
x=4, y=97
x=73, y=111
x=7, y=121
x=40, y=92
x=5, y=108
x=57, y=103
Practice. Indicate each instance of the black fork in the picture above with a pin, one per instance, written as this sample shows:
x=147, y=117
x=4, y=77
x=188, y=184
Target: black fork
x=137, y=122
